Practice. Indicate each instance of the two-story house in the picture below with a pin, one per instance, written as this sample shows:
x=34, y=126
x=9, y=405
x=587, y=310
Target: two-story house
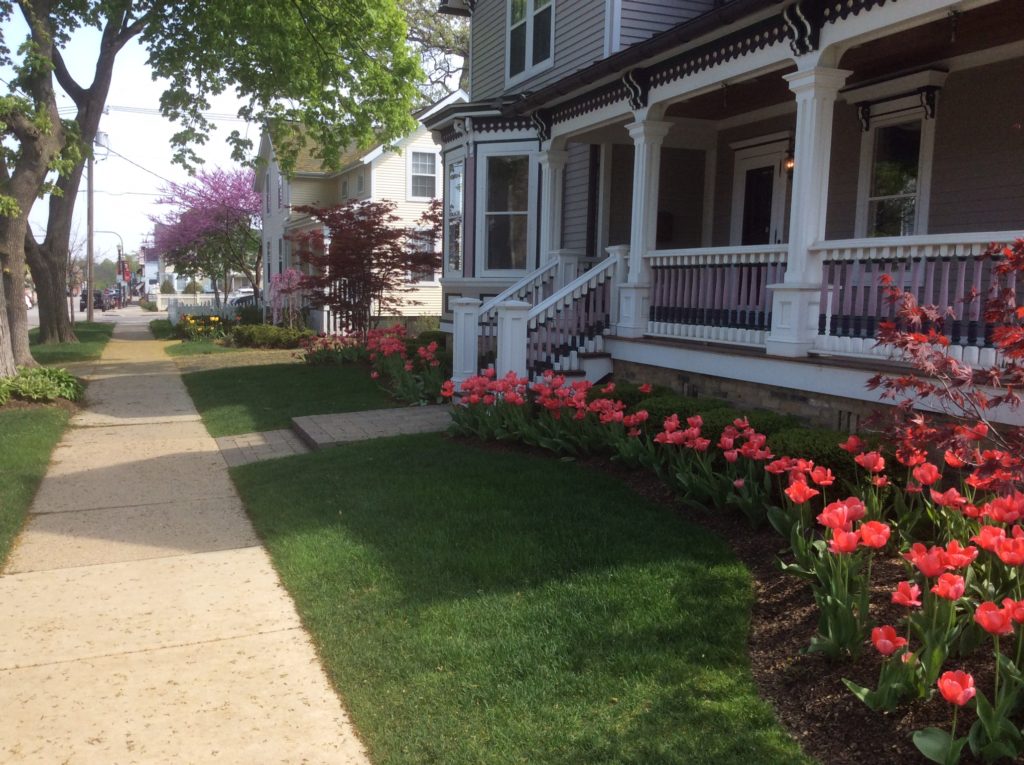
x=708, y=192
x=408, y=174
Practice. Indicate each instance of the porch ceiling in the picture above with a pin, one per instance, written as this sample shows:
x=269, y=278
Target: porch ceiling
x=734, y=99
x=986, y=27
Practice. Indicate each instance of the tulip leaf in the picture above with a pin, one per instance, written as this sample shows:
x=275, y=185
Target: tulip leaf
x=938, y=746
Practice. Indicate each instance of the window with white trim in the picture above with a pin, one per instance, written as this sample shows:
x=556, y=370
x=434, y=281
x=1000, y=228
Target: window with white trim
x=506, y=215
x=422, y=175
x=892, y=190
x=530, y=40
x=453, y=216
x=421, y=241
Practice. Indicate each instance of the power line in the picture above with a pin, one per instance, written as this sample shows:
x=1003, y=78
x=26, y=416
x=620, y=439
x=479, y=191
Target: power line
x=221, y=116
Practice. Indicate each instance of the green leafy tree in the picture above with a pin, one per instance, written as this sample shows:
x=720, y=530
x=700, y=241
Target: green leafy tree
x=330, y=71
x=442, y=42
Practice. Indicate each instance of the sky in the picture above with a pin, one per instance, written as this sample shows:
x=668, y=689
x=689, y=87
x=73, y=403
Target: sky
x=130, y=177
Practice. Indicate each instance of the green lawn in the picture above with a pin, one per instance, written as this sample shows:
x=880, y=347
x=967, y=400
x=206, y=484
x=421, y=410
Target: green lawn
x=161, y=329
x=92, y=338
x=257, y=398
x=198, y=348
x=477, y=608
x=27, y=437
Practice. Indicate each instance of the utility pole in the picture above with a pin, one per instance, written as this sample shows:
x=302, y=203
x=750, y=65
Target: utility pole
x=88, y=241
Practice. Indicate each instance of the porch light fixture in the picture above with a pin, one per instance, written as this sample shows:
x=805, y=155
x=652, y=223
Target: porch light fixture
x=789, y=162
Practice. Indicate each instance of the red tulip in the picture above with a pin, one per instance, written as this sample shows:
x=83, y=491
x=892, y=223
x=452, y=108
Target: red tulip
x=886, y=641
x=873, y=462
x=926, y=474
x=956, y=687
x=853, y=445
x=988, y=537
x=948, y=498
x=822, y=476
x=1011, y=550
x=1015, y=608
x=993, y=619
x=929, y=561
x=800, y=492
x=874, y=534
x=958, y=557
x=645, y=388
x=843, y=542
x=907, y=594
x=949, y=586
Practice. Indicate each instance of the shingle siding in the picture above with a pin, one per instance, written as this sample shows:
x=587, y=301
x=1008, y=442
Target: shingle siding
x=642, y=19
x=579, y=41
x=576, y=197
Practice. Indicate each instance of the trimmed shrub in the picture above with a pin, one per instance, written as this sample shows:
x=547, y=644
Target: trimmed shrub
x=193, y=288
x=268, y=336
x=628, y=393
x=250, y=314
x=818, y=444
x=760, y=420
x=665, y=405
x=167, y=287
x=433, y=336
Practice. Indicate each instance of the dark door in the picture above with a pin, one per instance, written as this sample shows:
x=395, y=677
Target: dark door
x=757, y=205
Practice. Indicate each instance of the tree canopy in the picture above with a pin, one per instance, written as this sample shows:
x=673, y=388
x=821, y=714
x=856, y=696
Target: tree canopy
x=210, y=227
x=339, y=69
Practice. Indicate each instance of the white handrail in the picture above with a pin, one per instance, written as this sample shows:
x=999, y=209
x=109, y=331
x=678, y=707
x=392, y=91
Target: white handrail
x=983, y=238
x=577, y=284
x=509, y=292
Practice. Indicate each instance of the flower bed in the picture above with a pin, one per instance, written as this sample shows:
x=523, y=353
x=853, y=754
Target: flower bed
x=945, y=498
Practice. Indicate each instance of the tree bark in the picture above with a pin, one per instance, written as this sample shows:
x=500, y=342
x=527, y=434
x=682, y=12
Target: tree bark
x=17, y=315
x=55, y=321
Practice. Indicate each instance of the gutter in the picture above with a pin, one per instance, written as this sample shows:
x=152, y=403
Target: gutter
x=626, y=59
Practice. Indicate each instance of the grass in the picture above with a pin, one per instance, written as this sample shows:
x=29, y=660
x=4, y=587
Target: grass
x=162, y=329
x=27, y=437
x=92, y=339
x=465, y=620
x=198, y=348
x=256, y=398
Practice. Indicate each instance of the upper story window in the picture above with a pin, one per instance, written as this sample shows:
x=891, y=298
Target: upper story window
x=531, y=33
x=359, y=183
x=280, y=191
x=422, y=175
x=344, y=189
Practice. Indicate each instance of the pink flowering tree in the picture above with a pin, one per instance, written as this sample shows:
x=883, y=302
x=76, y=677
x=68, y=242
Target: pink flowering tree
x=211, y=226
x=285, y=297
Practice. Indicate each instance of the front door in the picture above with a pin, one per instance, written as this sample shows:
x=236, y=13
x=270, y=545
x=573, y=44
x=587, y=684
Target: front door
x=757, y=205
x=760, y=184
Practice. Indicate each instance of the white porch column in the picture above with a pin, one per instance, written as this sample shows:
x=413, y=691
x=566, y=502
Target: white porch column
x=634, y=295
x=620, y=251
x=552, y=185
x=465, y=346
x=512, y=337
x=795, y=302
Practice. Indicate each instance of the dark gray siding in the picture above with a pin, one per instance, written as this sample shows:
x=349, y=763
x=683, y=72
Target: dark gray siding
x=843, y=170
x=680, y=198
x=579, y=41
x=978, y=168
x=576, y=197
x=644, y=18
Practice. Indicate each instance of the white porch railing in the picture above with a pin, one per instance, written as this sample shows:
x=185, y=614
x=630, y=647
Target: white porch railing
x=571, y=321
x=944, y=270
x=715, y=293
x=533, y=288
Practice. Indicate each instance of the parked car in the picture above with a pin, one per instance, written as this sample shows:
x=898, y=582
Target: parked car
x=244, y=300
x=97, y=301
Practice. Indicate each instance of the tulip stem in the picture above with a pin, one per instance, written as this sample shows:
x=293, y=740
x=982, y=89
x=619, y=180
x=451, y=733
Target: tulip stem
x=952, y=736
x=996, y=638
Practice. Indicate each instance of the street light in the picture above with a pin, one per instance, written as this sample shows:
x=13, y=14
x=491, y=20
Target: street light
x=103, y=141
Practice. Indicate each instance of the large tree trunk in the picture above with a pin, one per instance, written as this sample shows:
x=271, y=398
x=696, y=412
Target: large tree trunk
x=8, y=367
x=55, y=322
x=17, y=314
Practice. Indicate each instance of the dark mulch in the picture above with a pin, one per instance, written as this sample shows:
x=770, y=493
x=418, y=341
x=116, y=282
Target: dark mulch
x=69, y=406
x=807, y=691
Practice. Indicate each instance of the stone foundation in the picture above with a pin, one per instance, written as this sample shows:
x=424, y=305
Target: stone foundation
x=815, y=409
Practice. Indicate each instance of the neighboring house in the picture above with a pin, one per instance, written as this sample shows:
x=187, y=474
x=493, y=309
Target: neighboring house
x=706, y=193
x=408, y=175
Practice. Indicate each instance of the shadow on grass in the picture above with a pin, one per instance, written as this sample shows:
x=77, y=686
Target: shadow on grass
x=483, y=607
x=92, y=338
x=266, y=397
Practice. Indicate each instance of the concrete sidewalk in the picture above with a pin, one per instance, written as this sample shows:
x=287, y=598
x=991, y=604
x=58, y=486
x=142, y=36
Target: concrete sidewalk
x=140, y=619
